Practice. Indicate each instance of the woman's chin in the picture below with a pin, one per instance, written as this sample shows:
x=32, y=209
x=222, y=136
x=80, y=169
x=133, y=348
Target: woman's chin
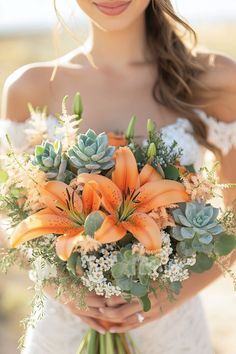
x=109, y=17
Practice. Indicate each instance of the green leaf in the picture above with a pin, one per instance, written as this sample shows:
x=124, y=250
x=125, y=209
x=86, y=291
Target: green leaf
x=224, y=244
x=146, y=303
x=118, y=270
x=176, y=287
x=184, y=248
x=138, y=290
x=124, y=283
x=203, y=263
x=190, y=168
x=17, y=192
x=92, y=223
x=72, y=262
x=171, y=172
x=3, y=176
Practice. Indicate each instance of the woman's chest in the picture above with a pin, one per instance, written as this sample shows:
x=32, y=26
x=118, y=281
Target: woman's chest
x=109, y=101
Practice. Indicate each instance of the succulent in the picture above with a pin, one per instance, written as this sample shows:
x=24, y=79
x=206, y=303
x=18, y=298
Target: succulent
x=50, y=159
x=91, y=153
x=196, y=221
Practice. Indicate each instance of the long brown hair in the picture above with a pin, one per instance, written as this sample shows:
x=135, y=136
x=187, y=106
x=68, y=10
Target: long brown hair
x=178, y=85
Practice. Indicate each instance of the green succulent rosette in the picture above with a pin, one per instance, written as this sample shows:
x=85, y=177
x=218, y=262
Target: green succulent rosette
x=50, y=159
x=92, y=154
x=196, y=227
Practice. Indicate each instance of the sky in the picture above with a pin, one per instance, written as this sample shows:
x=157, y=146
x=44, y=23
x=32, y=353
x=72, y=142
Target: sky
x=23, y=15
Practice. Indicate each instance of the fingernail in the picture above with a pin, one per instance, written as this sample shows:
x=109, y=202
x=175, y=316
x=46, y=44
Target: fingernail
x=102, y=332
x=112, y=330
x=101, y=310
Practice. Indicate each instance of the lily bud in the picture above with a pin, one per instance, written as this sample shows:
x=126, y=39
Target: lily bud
x=130, y=131
x=151, y=127
x=78, y=107
x=152, y=151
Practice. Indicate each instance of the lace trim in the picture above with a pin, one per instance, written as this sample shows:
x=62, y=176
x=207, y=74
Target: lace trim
x=220, y=134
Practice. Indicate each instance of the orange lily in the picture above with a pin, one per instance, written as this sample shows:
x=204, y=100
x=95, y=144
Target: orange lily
x=65, y=215
x=116, y=139
x=129, y=197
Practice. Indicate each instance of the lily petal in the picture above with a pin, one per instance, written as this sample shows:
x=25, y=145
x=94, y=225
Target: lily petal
x=39, y=225
x=125, y=174
x=145, y=230
x=56, y=193
x=110, y=193
x=91, y=200
x=116, y=140
x=162, y=193
x=149, y=174
x=110, y=231
x=66, y=244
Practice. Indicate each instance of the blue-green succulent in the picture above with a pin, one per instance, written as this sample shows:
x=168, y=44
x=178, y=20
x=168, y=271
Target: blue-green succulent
x=92, y=153
x=196, y=219
x=50, y=159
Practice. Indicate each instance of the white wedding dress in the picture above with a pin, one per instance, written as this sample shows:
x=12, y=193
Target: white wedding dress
x=184, y=330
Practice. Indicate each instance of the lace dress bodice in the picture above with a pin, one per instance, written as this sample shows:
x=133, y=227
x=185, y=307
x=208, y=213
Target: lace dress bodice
x=183, y=330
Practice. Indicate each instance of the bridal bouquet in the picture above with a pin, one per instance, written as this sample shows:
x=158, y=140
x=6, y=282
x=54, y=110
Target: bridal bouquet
x=101, y=213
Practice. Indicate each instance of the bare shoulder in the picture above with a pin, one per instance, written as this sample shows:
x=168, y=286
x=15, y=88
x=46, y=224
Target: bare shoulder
x=220, y=77
x=27, y=84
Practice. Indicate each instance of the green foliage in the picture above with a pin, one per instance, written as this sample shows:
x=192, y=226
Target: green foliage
x=73, y=263
x=224, y=244
x=176, y=287
x=9, y=258
x=171, y=172
x=203, y=263
x=3, y=176
x=10, y=207
x=92, y=223
x=91, y=153
x=146, y=303
x=132, y=273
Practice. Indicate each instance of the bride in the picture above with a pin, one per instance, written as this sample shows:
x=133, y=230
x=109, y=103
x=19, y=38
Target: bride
x=136, y=63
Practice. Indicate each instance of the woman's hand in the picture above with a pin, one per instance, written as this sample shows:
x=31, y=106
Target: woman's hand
x=128, y=316
x=91, y=315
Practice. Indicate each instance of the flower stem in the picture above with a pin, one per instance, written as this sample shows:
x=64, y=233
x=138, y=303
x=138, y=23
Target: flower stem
x=119, y=346
x=83, y=344
x=102, y=346
x=109, y=343
x=92, y=343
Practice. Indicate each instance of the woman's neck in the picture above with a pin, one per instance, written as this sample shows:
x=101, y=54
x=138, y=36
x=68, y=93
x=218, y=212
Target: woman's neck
x=115, y=49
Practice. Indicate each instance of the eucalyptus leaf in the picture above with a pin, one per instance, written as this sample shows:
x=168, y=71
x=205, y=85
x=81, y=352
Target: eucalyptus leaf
x=224, y=244
x=146, y=303
x=171, y=172
x=92, y=223
x=124, y=283
x=203, y=263
x=138, y=290
x=72, y=263
x=176, y=287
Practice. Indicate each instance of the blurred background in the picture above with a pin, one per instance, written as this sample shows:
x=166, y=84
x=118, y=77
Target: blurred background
x=29, y=32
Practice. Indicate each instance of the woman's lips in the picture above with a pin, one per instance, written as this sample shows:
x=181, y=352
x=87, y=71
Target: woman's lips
x=112, y=8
